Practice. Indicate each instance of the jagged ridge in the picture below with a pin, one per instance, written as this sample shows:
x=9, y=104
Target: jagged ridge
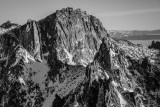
x=68, y=59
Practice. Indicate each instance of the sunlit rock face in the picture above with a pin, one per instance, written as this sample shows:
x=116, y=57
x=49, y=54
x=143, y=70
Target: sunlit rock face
x=68, y=60
x=75, y=35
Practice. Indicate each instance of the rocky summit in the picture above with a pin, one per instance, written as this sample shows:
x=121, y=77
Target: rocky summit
x=5, y=27
x=69, y=60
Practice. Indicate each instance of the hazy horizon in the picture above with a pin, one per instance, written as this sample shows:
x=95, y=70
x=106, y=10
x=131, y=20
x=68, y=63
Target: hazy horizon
x=114, y=14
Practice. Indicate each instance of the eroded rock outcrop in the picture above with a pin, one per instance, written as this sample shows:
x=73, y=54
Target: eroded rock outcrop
x=5, y=27
x=68, y=60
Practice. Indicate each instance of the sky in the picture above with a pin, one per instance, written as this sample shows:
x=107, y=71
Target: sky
x=114, y=14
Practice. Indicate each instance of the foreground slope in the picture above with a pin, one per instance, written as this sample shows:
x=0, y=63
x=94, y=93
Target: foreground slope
x=68, y=60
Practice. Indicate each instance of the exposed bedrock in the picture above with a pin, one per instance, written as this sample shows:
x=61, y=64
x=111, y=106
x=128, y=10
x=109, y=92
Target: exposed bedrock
x=69, y=60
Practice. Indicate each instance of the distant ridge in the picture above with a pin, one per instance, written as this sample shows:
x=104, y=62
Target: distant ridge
x=135, y=34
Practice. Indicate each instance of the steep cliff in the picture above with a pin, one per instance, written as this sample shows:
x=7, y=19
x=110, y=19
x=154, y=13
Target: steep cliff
x=68, y=60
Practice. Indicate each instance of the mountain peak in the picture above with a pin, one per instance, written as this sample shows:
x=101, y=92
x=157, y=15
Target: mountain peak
x=8, y=24
x=69, y=59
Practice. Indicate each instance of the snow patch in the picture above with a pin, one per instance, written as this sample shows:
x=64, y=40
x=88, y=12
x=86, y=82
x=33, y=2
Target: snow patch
x=70, y=57
x=116, y=65
x=21, y=80
x=152, y=61
x=114, y=83
x=23, y=53
x=112, y=53
x=28, y=57
x=122, y=101
x=130, y=90
x=84, y=63
x=106, y=75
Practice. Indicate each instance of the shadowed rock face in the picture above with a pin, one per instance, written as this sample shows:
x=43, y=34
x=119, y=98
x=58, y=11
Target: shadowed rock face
x=68, y=60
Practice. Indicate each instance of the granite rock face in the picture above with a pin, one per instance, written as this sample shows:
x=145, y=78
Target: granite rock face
x=69, y=60
x=75, y=35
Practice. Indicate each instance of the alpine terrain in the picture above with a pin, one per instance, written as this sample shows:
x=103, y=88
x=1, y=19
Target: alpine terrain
x=69, y=60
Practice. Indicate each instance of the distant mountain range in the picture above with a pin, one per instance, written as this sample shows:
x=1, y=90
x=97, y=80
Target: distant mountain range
x=135, y=34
